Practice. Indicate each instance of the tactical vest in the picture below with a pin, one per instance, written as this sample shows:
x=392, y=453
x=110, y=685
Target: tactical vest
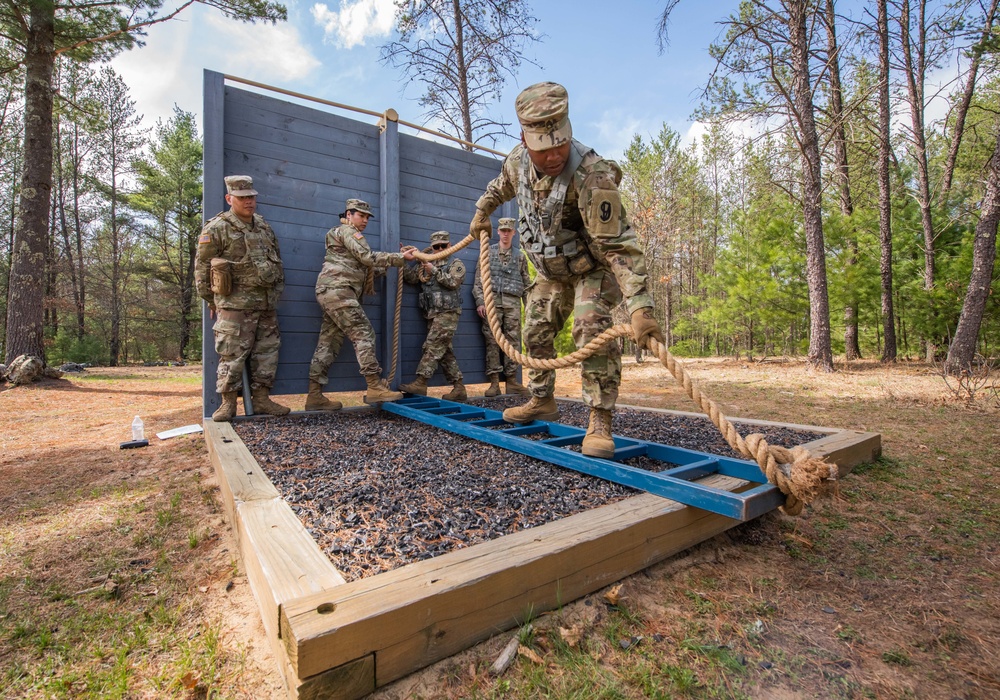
x=261, y=265
x=434, y=298
x=557, y=252
x=506, y=276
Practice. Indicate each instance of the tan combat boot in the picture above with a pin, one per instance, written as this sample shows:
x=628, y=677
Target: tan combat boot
x=417, y=386
x=536, y=409
x=494, y=389
x=225, y=412
x=512, y=386
x=457, y=393
x=598, y=441
x=315, y=401
x=262, y=403
x=379, y=391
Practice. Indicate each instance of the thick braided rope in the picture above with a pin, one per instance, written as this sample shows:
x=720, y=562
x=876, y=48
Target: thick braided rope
x=395, y=325
x=795, y=472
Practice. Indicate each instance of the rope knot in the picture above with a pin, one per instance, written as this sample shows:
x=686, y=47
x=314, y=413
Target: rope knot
x=795, y=472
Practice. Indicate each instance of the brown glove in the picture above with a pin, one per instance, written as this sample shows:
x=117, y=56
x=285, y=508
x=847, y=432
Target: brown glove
x=644, y=326
x=480, y=225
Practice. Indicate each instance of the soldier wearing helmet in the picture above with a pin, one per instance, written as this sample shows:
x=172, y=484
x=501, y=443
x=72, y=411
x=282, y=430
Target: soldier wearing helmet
x=510, y=282
x=441, y=302
x=576, y=233
x=238, y=272
x=348, y=273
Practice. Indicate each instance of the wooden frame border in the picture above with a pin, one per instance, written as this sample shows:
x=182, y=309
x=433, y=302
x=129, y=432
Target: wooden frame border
x=333, y=639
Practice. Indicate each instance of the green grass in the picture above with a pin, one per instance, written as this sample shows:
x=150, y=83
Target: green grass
x=66, y=635
x=897, y=656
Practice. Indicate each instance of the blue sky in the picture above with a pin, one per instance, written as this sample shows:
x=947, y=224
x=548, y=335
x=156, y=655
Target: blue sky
x=605, y=53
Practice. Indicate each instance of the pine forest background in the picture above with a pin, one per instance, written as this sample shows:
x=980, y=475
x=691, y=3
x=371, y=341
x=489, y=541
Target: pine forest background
x=797, y=213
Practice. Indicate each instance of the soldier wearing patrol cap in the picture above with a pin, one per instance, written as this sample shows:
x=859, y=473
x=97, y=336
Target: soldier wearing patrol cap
x=509, y=274
x=238, y=272
x=441, y=302
x=348, y=272
x=575, y=230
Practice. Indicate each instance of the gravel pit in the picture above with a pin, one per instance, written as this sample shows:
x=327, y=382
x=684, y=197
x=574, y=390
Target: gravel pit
x=378, y=491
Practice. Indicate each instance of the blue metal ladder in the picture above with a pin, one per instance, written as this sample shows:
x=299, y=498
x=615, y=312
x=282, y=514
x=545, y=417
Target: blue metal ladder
x=676, y=483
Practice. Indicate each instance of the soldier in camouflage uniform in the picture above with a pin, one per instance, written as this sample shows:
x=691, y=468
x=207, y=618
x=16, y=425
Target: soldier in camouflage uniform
x=348, y=272
x=441, y=301
x=509, y=273
x=238, y=272
x=575, y=230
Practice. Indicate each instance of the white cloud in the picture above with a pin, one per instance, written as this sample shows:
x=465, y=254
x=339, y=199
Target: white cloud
x=355, y=22
x=612, y=134
x=694, y=133
x=165, y=56
x=263, y=51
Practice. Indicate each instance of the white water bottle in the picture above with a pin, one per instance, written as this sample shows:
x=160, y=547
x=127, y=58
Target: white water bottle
x=137, y=433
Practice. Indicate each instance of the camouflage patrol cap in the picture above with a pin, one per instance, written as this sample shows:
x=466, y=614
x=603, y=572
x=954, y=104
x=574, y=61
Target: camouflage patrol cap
x=240, y=186
x=441, y=237
x=506, y=222
x=543, y=110
x=359, y=205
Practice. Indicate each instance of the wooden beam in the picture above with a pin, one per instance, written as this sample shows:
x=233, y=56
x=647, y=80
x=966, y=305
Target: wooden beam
x=343, y=640
x=847, y=449
x=213, y=201
x=426, y=611
x=240, y=477
x=281, y=559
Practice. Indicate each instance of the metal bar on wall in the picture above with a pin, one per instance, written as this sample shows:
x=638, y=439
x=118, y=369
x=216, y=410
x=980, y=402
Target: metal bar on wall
x=213, y=192
x=389, y=226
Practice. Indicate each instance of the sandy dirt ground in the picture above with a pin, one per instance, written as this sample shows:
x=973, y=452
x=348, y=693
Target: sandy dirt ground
x=73, y=502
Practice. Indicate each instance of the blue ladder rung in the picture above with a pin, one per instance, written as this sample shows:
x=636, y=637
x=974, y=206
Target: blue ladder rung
x=470, y=415
x=694, y=470
x=529, y=429
x=443, y=410
x=564, y=441
x=490, y=422
x=630, y=451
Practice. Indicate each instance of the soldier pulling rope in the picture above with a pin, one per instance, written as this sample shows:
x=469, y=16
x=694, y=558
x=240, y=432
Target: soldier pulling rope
x=576, y=232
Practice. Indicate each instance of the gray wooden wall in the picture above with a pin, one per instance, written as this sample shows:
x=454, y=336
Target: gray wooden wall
x=305, y=163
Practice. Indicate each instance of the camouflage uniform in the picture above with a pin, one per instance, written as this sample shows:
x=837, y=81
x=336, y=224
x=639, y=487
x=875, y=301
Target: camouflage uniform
x=246, y=323
x=347, y=269
x=509, y=274
x=441, y=302
x=575, y=230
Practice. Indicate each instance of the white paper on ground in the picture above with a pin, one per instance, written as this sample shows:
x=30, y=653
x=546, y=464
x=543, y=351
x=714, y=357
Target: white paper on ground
x=174, y=432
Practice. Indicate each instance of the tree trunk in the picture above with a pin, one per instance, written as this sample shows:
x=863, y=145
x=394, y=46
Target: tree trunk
x=884, y=192
x=81, y=302
x=852, y=349
x=25, y=310
x=187, y=282
x=116, y=299
x=962, y=110
x=820, y=349
x=51, y=313
x=984, y=249
x=60, y=206
x=463, y=75
x=916, y=68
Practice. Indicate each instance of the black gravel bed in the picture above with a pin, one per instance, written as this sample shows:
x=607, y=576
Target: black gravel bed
x=378, y=491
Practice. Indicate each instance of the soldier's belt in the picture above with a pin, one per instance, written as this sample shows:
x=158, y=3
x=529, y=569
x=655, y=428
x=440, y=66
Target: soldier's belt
x=570, y=249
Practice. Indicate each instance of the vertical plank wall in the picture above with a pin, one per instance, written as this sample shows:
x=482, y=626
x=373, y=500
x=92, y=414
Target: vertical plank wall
x=305, y=163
